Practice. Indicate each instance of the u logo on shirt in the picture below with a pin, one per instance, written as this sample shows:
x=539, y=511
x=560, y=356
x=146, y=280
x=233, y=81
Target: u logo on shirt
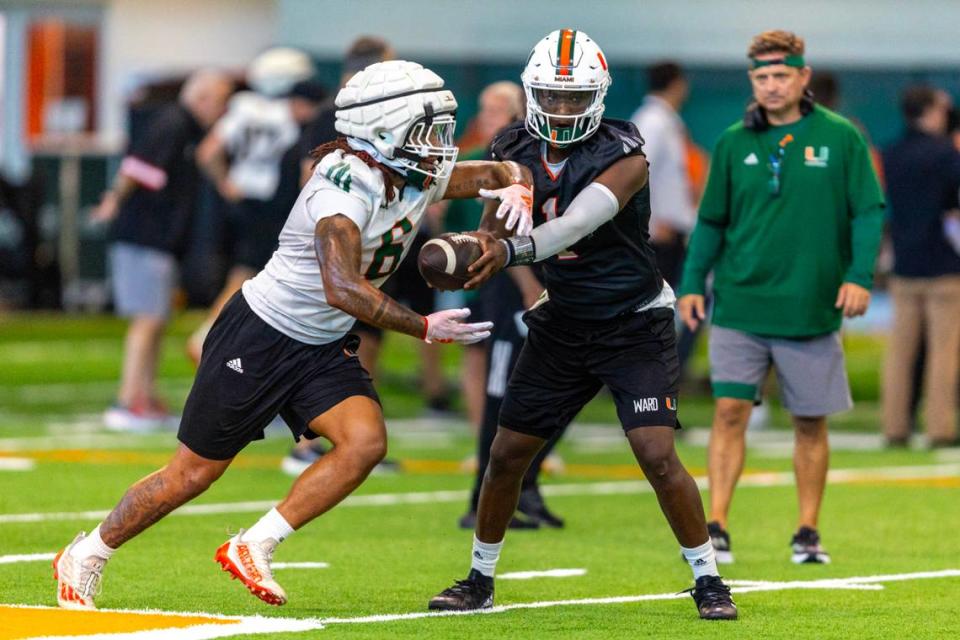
x=812, y=158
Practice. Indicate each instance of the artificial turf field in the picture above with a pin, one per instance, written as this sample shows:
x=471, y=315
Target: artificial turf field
x=890, y=519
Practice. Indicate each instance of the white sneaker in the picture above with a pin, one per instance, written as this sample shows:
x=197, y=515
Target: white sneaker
x=249, y=562
x=78, y=579
x=124, y=419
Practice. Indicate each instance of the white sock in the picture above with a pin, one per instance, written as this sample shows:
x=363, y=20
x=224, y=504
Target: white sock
x=702, y=559
x=271, y=525
x=485, y=555
x=92, y=545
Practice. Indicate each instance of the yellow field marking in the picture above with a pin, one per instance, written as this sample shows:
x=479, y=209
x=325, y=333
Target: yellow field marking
x=429, y=467
x=29, y=623
x=942, y=483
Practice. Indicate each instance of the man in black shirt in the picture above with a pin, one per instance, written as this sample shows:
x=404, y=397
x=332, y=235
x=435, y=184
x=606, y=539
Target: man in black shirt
x=922, y=171
x=151, y=204
x=606, y=317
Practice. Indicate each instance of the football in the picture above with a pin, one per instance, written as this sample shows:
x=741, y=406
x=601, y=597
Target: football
x=443, y=261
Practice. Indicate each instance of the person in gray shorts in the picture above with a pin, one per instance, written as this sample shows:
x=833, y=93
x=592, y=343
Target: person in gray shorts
x=150, y=207
x=790, y=225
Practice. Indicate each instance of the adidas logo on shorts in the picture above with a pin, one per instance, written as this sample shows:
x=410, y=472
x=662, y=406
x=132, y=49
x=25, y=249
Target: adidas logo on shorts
x=235, y=365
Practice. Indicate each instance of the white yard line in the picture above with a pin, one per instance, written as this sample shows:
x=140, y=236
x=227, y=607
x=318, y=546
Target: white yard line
x=547, y=573
x=17, y=464
x=257, y=624
x=829, y=583
x=772, y=479
x=40, y=557
x=300, y=565
x=27, y=557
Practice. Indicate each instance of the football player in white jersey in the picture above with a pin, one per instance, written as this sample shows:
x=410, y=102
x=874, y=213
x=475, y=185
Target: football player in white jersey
x=281, y=346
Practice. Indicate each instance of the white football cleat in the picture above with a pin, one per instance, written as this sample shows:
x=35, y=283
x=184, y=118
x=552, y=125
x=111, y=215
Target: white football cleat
x=78, y=579
x=249, y=562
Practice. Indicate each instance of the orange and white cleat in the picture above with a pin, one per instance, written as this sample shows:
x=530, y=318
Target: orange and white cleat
x=249, y=562
x=78, y=579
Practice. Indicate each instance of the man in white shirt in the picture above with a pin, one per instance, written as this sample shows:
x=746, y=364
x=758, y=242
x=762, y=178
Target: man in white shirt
x=672, y=205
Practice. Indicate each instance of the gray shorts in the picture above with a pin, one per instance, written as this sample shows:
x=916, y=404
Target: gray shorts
x=812, y=375
x=143, y=280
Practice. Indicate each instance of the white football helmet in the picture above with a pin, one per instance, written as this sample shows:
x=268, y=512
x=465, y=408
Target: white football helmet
x=403, y=110
x=566, y=80
x=274, y=72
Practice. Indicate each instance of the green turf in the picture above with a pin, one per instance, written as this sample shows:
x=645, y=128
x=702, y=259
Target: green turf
x=390, y=559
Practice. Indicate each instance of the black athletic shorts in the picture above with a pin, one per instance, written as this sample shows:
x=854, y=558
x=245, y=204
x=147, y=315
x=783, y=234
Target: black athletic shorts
x=564, y=364
x=406, y=286
x=250, y=373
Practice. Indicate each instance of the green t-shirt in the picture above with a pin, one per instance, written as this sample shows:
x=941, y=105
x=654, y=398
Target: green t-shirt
x=779, y=258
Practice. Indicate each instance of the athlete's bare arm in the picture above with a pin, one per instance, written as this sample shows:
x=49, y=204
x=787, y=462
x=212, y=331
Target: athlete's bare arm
x=337, y=243
x=625, y=177
x=469, y=177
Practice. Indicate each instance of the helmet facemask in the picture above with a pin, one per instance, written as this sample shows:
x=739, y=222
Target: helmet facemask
x=430, y=139
x=563, y=116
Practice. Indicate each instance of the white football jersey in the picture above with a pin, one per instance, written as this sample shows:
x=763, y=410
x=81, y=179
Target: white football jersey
x=288, y=294
x=258, y=131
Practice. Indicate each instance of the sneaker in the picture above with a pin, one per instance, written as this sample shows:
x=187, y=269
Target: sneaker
x=721, y=542
x=468, y=521
x=129, y=419
x=554, y=465
x=531, y=504
x=807, y=549
x=249, y=562
x=713, y=599
x=476, y=592
x=78, y=579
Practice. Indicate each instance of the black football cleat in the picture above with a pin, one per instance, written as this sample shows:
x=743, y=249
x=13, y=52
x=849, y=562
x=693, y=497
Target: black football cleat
x=713, y=599
x=807, y=548
x=532, y=505
x=721, y=543
x=476, y=592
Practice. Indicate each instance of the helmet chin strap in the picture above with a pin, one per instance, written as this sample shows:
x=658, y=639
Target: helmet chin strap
x=362, y=145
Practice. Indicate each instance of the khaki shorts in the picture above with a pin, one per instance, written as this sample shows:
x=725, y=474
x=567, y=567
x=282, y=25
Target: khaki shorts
x=811, y=372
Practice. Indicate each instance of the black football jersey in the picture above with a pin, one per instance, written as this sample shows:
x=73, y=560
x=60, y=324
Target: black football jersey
x=613, y=269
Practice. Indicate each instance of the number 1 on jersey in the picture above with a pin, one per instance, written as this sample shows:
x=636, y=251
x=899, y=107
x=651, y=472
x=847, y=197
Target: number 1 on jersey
x=549, y=209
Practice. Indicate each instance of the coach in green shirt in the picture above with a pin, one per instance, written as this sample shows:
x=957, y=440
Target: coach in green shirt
x=790, y=224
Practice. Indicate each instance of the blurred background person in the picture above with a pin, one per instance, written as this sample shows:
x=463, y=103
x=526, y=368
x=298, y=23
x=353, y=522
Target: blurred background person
x=673, y=195
x=151, y=204
x=250, y=156
x=672, y=206
x=922, y=170
x=500, y=104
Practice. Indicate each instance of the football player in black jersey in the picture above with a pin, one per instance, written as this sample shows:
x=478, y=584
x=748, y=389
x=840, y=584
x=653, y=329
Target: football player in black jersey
x=606, y=318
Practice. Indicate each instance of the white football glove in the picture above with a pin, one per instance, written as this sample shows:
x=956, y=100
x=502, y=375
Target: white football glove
x=516, y=205
x=446, y=326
